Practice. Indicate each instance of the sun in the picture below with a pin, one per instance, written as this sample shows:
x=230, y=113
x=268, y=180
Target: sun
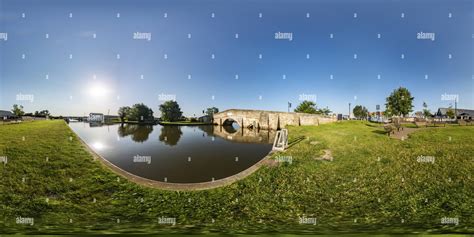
x=98, y=90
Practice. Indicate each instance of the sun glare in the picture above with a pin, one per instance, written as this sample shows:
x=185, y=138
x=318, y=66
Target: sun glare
x=98, y=145
x=98, y=90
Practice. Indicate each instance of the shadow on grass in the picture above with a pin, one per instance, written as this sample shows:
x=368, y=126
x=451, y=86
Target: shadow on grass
x=295, y=141
x=382, y=132
x=374, y=125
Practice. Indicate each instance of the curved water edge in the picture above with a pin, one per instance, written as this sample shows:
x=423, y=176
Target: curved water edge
x=239, y=140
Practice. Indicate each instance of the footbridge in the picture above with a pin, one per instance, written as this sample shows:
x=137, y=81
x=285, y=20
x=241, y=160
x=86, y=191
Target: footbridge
x=268, y=120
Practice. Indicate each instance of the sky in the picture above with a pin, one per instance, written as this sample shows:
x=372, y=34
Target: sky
x=74, y=57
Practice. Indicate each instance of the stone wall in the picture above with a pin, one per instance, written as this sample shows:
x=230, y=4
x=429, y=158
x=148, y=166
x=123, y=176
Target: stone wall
x=269, y=119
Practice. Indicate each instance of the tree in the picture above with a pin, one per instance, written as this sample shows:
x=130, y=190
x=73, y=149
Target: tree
x=399, y=103
x=18, y=110
x=140, y=112
x=426, y=111
x=42, y=113
x=324, y=111
x=450, y=113
x=211, y=111
x=360, y=112
x=307, y=106
x=170, y=111
x=123, y=112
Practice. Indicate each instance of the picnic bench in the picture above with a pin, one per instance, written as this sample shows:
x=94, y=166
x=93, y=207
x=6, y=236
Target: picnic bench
x=439, y=122
x=421, y=124
x=398, y=124
x=389, y=128
x=426, y=123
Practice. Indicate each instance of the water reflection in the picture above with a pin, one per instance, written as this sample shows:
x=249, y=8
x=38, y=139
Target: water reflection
x=139, y=133
x=244, y=135
x=170, y=135
x=98, y=146
x=177, y=154
x=208, y=130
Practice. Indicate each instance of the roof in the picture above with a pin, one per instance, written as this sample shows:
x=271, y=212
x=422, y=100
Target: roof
x=470, y=112
x=4, y=113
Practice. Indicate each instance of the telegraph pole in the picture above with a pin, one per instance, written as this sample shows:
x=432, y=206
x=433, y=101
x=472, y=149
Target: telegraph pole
x=456, y=109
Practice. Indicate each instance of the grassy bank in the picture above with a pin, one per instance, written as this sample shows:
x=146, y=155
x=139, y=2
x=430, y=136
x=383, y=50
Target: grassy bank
x=374, y=184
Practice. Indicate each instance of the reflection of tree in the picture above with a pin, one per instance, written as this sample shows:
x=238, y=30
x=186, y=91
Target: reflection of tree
x=208, y=129
x=139, y=133
x=170, y=135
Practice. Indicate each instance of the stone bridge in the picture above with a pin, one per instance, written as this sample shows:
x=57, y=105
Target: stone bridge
x=268, y=120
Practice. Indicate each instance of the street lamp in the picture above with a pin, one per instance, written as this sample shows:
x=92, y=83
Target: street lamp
x=349, y=111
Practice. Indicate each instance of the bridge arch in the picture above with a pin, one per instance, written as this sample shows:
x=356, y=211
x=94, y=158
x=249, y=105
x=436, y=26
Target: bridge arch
x=229, y=121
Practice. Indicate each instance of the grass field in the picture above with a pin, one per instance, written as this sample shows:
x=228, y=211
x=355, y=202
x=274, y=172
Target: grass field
x=374, y=184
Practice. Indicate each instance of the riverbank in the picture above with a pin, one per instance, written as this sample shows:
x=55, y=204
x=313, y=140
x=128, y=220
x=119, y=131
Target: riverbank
x=374, y=184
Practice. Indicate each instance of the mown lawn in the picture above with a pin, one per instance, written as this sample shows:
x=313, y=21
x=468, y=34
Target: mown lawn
x=374, y=184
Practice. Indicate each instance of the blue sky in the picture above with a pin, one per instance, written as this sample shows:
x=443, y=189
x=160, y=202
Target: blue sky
x=426, y=69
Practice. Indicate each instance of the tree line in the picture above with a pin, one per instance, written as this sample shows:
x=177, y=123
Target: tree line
x=398, y=103
x=18, y=111
x=170, y=112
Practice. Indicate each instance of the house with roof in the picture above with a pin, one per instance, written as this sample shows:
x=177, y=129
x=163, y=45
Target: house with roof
x=6, y=115
x=464, y=114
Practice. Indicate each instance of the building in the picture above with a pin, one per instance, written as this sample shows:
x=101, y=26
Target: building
x=205, y=119
x=465, y=114
x=110, y=118
x=96, y=117
x=6, y=115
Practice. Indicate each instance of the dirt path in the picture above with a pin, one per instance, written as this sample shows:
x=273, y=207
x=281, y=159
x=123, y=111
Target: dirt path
x=403, y=134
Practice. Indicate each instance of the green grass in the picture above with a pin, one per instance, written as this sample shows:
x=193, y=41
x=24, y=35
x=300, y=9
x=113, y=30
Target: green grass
x=373, y=179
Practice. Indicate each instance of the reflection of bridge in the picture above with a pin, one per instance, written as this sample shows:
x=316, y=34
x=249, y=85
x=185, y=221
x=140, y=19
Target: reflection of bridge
x=269, y=120
x=244, y=135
